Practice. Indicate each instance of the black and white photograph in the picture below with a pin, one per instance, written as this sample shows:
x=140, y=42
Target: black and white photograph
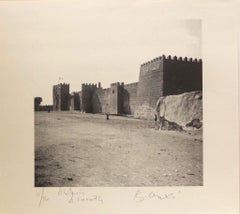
x=126, y=110
x=113, y=106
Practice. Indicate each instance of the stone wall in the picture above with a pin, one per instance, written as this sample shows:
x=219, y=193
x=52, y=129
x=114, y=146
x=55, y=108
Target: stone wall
x=165, y=76
x=61, y=97
x=150, y=88
x=44, y=108
x=101, y=100
x=86, y=97
x=150, y=85
x=129, y=96
x=114, y=98
x=74, y=101
x=181, y=75
x=161, y=76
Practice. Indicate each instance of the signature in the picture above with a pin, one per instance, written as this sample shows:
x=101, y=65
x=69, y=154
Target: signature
x=140, y=197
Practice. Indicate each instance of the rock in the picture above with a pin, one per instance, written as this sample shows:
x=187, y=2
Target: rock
x=196, y=123
x=167, y=125
x=183, y=111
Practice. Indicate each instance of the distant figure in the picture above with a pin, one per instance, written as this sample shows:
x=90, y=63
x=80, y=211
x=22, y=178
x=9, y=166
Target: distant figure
x=156, y=122
x=48, y=110
x=107, y=116
x=160, y=111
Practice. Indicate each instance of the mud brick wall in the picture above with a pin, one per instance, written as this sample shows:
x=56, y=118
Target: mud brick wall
x=181, y=75
x=86, y=97
x=74, y=102
x=165, y=76
x=129, y=98
x=150, y=88
x=150, y=85
x=61, y=97
x=114, y=98
x=101, y=100
x=161, y=76
x=71, y=103
x=64, y=97
x=56, y=94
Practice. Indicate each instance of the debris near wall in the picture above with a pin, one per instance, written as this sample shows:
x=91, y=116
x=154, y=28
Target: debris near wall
x=184, y=110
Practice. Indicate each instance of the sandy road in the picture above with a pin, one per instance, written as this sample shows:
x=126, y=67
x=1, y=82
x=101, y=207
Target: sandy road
x=73, y=149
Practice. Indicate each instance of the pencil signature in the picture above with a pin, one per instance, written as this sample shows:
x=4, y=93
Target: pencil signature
x=139, y=196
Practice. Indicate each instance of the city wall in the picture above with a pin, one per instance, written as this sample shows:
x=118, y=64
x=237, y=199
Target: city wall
x=162, y=76
x=165, y=76
x=61, y=97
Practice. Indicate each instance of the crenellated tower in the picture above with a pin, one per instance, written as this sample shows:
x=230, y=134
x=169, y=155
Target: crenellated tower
x=61, y=97
x=86, y=97
x=165, y=76
x=116, y=98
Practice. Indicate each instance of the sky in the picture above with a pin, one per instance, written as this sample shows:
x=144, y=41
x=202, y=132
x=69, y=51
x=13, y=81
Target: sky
x=88, y=42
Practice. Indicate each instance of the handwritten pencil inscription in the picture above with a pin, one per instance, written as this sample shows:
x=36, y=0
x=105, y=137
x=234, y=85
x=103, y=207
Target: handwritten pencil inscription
x=139, y=196
x=43, y=198
x=69, y=195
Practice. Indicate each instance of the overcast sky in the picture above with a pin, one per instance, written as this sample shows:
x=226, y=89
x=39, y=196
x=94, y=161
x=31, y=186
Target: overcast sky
x=91, y=42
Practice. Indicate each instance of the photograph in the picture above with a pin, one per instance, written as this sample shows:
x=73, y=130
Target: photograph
x=113, y=131
x=119, y=107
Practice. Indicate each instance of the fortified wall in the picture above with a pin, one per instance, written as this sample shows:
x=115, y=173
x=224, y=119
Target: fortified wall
x=74, y=101
x=61, y=97
x=165, y=76
x=118, y=99
x=161, y=76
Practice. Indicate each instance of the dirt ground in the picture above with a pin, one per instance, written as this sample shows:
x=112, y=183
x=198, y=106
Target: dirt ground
x=74, y=149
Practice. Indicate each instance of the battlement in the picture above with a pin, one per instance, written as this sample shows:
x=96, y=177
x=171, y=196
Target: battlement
x=60, y=97
x=131, y=84
x=117, y=84
x=162, y=76
x=172, y=58
x=89, y=84
x=63, y=84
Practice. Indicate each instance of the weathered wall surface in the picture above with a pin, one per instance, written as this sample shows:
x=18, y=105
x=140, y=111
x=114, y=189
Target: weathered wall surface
x=74, y=101
x=71, y=103
x=184, y=108
x=56, y=94
x=150, y=88
x=86, y=97
x=129, y=98
x=64, y=97
x=144, y=111
x=44, y=108
x=165, y=76
x=181, y=75
x=161, y=76
x=101, y=100
x=115, y=98
x=61, y=97
x=119, y=98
